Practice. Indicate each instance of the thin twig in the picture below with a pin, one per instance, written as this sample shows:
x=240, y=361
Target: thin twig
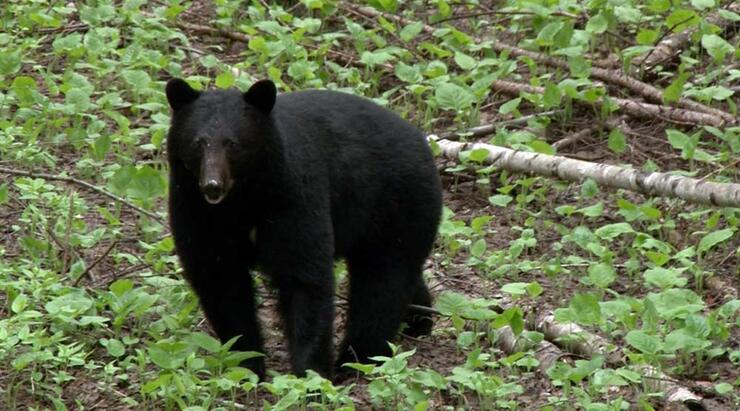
x=502, y=13
x=487, y=129
x=94, y=263
x=84, y=184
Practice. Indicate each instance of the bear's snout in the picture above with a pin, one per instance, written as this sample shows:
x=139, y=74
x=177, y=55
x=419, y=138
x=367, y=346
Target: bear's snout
x=214, y=191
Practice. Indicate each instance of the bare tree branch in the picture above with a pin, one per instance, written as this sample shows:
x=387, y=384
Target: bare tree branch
x=634, y=108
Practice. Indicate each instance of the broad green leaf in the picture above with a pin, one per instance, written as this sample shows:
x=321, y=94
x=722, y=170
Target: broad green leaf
x=410, y=31
x=664, y=278
x=450, y=96
x=510, y=106
x=716, y=46
x=715, y=237
x=644, y=342
x=597, y=24
x=673, y=92
x=617, y=141
x=464, y=61
x=225, y=80
x=500, y=200
x=601, y=275
x=611, y=231
x=205, y=342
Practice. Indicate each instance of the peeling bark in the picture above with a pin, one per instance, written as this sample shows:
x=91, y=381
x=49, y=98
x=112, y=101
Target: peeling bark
x=634, y=108
x=574, y=338
x=652, y=184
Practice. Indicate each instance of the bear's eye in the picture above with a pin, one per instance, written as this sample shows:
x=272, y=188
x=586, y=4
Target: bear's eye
x=232, y=144
x=199, y=142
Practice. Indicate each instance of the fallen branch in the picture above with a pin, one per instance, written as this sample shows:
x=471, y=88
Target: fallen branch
x=669, y=47
x=673, y=392
x=634, y=108
x=545, y=352
x=653, y=184
x=614, y=77
x=574, y=338
x=487, y=129
x=580, y=135
x=85, y=184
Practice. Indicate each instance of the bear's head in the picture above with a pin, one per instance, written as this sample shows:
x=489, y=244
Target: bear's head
x=217, y=137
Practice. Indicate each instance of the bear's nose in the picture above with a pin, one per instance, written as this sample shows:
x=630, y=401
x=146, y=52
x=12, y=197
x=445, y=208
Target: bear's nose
x=213, y=190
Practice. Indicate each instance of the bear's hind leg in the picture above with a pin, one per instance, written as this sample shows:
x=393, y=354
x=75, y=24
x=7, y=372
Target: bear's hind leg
x=419, y=322
x=380, y=292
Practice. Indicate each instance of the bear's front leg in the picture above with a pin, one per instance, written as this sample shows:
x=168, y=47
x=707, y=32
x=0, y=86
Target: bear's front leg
x=219, y=275
x=228, y=302
x=307, y=308
x=300, y=263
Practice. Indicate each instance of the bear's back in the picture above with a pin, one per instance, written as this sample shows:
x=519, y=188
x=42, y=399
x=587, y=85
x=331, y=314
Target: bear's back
x=379, y=166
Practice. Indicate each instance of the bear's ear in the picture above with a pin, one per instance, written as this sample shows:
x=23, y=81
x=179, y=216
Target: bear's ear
x=262, y=95
x=180, y=94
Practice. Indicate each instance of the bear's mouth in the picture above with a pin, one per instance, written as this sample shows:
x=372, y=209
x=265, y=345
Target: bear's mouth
x=214, y=191
x=214, y=198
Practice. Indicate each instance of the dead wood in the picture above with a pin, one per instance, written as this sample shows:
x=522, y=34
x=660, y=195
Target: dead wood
x=653, y=184
x=634, y=108
x=670, y=47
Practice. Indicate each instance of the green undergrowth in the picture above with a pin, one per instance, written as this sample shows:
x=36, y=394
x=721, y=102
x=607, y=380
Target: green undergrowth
x=94, y=314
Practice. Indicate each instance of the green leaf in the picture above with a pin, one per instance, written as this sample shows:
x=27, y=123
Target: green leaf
x=410, y=31
x=546, y=35
x=589, y=188
x=10, y=61
x=225, y=80
x=510, y=106
x=464, y=61
x=137, y=79
x=715, y=237
x=20, y=302
x=542, y=147
x=586, y=309
x=644, y=342
x=664, y=278
x=723, y=388
x=478, y=248
x=597, y=24
x=4, y=193
x=450, y=96
x=479, y=155
x=601, y=275
x=205, y=342
x=611, y=231
x=24, y=87
x=617, y=141
x=551, y=97
x=716, y=46
x=647, y=36
x=408, y=74
x=115, y=347
x=500, y=200
x=147, y=184
x=703, y=4
x=78, y=101
x=673, y=92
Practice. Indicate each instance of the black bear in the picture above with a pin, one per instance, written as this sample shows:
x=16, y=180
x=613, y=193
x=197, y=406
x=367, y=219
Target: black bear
x=287, y=184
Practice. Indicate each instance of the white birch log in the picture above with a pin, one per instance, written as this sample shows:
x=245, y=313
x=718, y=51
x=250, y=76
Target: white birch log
x=653, y=184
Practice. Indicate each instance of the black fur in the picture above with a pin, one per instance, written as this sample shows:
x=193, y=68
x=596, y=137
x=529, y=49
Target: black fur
x=288, y=189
